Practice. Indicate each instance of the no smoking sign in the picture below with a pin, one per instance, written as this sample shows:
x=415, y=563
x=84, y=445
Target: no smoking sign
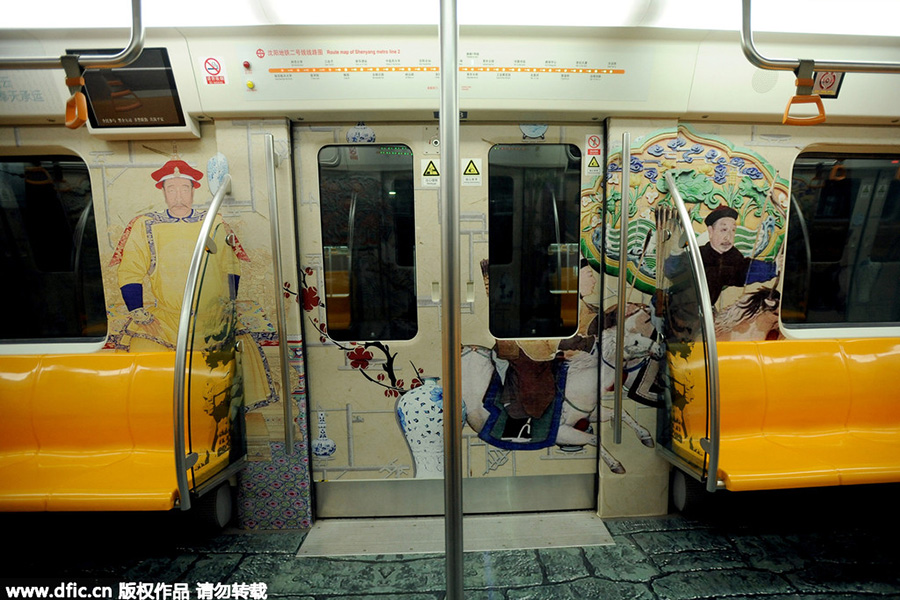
x=214, y=70
x=212, y=66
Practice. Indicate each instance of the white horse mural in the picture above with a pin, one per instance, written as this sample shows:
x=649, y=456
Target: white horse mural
x=574, y=413
x=640, y=347
x=577, y=407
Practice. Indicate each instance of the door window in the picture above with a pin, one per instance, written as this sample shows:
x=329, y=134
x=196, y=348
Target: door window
x=368, y=238
x=534, y=201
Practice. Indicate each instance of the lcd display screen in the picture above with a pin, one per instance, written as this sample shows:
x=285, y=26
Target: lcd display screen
x=141, y=94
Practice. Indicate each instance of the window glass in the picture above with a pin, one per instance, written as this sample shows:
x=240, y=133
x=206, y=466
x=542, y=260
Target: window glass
x=49, y=255
x=368, y=238
x=534, y=202
x=842, y=264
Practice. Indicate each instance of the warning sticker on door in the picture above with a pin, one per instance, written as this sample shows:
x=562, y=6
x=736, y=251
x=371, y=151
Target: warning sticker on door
x=471, y=171
x=431, y=172
x=593, y=162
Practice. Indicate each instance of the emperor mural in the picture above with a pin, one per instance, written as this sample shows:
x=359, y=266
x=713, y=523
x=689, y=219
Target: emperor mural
x=153, y=252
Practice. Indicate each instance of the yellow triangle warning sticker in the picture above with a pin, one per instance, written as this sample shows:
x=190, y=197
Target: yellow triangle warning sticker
x=594, y=162
x=471, y=169
x=431, y=170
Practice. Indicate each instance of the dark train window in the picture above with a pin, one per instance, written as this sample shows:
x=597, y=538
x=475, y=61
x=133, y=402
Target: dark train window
x=368, y=238
x=842, y=264
x=534, y=195
x=49, y=252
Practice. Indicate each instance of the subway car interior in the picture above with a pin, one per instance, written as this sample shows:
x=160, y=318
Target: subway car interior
x=443, y=262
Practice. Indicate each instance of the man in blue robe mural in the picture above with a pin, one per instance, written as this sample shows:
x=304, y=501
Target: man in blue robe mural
x=724, y=264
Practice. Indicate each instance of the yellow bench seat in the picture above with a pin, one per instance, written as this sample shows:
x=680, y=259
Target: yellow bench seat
x=130, y=480
x=88, y=432
x=809, y=413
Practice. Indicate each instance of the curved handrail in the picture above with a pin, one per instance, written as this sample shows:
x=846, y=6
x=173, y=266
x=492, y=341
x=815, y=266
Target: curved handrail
x=126, y=56
x=786, y=64
x=709, y=330
x=181, y=342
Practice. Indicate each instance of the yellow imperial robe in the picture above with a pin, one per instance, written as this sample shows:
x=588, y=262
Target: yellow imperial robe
x=155, y=252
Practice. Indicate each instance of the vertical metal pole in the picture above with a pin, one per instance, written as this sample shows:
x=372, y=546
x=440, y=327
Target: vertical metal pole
x=450, y=300
x=283, y=348
x=625, y=204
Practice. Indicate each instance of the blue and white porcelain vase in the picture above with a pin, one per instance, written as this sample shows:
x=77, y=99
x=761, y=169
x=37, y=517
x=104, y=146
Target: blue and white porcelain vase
x=421, y=415
x=360, y=134
x=216, y=170
x=323, y=446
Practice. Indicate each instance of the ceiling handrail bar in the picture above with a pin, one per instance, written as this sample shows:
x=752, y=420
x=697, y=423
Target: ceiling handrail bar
x=126, y=56
x=784, y=64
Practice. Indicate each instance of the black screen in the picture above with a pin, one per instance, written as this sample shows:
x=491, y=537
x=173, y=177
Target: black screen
x=141, y=94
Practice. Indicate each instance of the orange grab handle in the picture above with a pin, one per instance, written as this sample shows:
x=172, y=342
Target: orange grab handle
x=76, y=110
x=814, y=120
x=837, y=173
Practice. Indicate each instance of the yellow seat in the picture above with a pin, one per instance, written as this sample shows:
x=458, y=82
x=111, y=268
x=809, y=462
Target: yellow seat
x=803, y=413
x=93, y=432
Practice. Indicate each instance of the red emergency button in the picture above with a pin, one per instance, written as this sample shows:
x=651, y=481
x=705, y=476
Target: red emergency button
x=246, y=64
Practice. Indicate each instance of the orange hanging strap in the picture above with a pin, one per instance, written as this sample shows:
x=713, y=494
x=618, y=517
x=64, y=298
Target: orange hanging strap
x=805, y=82
x=838, y=173
x=76, y=105
x=76, y=110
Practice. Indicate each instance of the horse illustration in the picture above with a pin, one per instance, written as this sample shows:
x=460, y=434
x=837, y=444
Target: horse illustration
x=640, y=346
x=752, y=317
x=574, y=411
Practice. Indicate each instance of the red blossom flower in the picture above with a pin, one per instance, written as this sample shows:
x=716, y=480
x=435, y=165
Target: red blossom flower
x=415, y=383
x=359, y=357
x=310, y=298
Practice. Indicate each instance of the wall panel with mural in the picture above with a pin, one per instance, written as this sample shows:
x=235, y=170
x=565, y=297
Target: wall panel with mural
x=734, y=180
x=737, y=201
x=149, y=200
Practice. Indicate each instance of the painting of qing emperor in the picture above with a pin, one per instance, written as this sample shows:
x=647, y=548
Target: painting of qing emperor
x=152, y=259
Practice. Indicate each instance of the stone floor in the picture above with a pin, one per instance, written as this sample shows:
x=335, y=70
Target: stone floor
x=811, y=544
